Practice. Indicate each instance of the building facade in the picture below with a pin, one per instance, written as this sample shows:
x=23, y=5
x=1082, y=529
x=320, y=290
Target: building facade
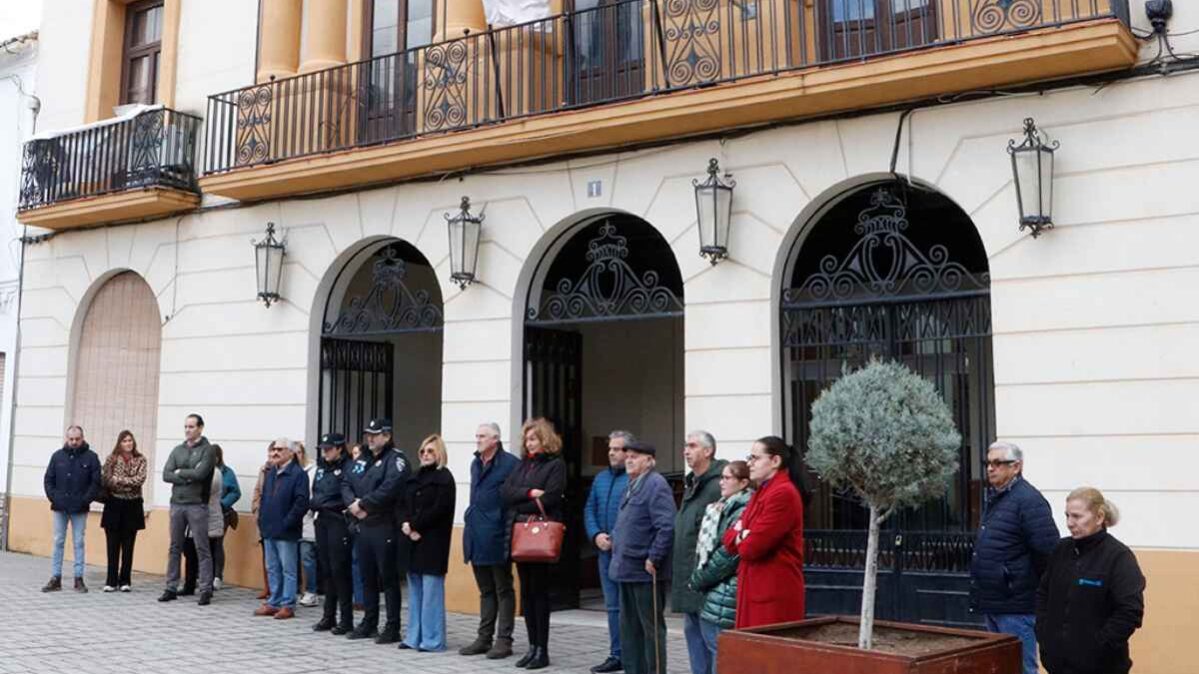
x=874, y=213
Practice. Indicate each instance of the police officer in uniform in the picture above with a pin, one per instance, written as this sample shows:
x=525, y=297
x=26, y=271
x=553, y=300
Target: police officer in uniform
x=333, y=542
x=372, y=490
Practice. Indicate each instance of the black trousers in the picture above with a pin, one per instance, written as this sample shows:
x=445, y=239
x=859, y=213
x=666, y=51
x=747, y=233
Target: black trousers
x=377, y=563
x=191, y=564
x=497, y=601
x=637, y=622
x=120, y=556
x=535, y=583
x=334, y=561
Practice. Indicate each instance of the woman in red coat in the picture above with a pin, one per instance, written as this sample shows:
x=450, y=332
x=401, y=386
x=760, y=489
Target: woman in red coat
x=769, y=539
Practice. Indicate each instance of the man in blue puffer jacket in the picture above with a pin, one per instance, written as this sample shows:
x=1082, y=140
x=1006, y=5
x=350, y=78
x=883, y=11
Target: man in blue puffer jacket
x=1014, y=542
x=599, y=517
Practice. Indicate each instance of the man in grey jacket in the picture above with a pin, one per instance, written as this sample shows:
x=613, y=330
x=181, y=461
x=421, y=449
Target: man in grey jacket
x=189, y=470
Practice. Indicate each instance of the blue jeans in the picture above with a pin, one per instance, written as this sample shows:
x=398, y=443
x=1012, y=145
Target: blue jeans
x=1021, y=626
x=356, y=574
x=281, y=559
x=78, y=528
x=697, y=652
x=611, y=603
x=308, y=560
x=426, y=612
x=710, y=632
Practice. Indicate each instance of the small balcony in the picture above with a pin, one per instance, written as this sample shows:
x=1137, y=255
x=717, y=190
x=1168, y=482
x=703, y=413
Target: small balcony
x=637, y=71
x=130, y=168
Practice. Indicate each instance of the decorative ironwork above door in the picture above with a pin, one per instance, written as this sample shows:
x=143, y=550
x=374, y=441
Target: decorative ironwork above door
x=607, y=288
x=389, y=305
x=884, y=263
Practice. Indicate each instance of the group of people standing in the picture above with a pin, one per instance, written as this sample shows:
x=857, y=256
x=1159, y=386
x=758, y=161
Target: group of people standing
x=730, y=555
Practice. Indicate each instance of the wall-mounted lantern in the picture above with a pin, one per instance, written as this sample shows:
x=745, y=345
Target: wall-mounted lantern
x=464, y=229
x=1032, y=170
x=713, y=212
x=268, y=264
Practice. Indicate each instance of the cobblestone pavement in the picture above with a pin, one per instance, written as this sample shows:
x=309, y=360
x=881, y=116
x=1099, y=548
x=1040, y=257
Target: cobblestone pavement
x=98, y=633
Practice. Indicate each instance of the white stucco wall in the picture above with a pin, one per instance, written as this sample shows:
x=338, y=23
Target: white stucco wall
x=1091, y=321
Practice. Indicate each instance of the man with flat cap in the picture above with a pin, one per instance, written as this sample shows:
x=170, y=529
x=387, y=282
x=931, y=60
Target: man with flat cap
x=372, y=491
x=641, y=544
x=334, y=557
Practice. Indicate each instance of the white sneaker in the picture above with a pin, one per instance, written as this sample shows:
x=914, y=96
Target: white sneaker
x=217, y=584
x=308, y=599
x=126, y=588
x=109, y=588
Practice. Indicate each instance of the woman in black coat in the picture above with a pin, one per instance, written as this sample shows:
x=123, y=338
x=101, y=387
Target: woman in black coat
x=541, y=476
x=427, y=520
x=1092, y=596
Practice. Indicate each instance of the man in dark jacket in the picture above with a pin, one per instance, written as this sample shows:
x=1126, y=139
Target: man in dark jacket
x=372, y=491
x=281, y=523
x=189, y=471
x=1014, y=542
x=334, y=556
x=72, y=482
x=483, y=545
x=641, y=542
x=599, y=518
x=700, y=488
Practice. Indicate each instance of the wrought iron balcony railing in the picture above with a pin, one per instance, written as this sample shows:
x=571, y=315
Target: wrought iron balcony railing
x=155, y=148
x=613, y=52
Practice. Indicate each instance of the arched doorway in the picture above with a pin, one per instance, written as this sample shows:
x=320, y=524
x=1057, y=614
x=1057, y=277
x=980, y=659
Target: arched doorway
x=894, y=271
x=381, y=344
x=603, y=350
x=116, y=367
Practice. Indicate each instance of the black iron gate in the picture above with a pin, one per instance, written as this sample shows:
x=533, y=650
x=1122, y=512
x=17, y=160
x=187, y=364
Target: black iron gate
x=553, y=374
x=356, y=385
x=882, y=291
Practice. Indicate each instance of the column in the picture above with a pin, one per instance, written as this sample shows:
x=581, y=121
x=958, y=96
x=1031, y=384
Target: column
x=278, y=39
x=324, y=35
x=460, y=16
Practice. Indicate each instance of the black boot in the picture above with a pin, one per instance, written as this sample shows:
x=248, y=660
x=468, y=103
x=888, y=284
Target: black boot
x=343, y=628
x=326, y=623
x=53, y=585
x=205, y=598
x=541, y=660
x=526, y=658
x=389, y=635
x=363, y=631
x=168, y=595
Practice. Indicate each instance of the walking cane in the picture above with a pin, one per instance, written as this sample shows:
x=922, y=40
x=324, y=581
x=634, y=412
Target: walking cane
x=657, y=644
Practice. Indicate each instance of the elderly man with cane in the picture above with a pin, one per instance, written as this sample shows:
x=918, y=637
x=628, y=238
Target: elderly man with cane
x=641, y=545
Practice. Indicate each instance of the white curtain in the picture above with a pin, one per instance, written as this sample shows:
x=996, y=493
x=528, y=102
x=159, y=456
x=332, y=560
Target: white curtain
x=511, y=12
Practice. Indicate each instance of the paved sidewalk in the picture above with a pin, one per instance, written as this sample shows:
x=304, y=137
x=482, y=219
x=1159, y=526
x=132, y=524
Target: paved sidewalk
x=98, y=633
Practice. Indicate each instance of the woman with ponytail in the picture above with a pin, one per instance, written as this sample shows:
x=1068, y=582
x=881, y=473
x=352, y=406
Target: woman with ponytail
x=769, y=538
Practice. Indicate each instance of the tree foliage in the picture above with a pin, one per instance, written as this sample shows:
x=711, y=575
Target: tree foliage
x=885, y=433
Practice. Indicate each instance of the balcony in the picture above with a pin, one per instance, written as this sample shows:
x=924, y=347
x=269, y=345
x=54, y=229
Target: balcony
x=637, y=71
x=130, y=168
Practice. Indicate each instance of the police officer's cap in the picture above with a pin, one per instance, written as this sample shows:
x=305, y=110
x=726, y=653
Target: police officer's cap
x=332, y=440
x=378, y=426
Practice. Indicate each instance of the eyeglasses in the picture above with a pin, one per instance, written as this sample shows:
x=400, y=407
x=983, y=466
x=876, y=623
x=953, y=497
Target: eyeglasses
x=750, y=458
x=428, y=451
x=996, y=463
x=729, y=477
x=278, y=449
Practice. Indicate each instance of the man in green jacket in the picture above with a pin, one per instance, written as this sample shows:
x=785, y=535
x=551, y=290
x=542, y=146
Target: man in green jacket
x=189, y=470
x=701, y=487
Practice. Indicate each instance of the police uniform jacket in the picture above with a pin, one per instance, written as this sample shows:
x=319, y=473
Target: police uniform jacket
x=377, y=481
x=327, y=494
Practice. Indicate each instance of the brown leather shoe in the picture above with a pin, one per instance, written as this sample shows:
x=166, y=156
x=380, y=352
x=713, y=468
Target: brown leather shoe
x=285, y=614
x=265, y=610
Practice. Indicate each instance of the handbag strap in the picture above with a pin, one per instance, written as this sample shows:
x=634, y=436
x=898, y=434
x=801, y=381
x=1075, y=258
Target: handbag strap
x=541, y=508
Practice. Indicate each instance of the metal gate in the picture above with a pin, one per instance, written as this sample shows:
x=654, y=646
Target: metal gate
x=882, y=293
x=356, y=385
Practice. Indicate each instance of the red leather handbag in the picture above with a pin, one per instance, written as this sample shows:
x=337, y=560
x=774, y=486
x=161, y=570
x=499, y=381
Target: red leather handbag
x=537, y=539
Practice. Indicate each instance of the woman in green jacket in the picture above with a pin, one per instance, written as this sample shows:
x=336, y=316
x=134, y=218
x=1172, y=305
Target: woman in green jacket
x=715, y=569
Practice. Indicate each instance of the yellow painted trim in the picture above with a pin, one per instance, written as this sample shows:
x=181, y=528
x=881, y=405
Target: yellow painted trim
x=107, y=208
x=105, y=57
x=1040, y=55
x=168, y=60
x=355, y=36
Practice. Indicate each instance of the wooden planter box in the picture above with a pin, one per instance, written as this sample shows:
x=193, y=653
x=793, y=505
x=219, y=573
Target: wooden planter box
x=793, y=648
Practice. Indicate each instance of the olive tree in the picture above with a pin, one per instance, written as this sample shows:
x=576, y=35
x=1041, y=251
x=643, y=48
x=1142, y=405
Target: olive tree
x=884, y=434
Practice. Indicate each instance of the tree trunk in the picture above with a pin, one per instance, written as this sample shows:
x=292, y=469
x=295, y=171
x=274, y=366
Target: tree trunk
x=869, y=583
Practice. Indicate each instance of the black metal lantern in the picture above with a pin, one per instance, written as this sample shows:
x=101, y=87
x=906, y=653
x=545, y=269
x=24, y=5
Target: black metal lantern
x=268, y=263
x=1032, y=170
x=713, y=211
x=464, y=231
